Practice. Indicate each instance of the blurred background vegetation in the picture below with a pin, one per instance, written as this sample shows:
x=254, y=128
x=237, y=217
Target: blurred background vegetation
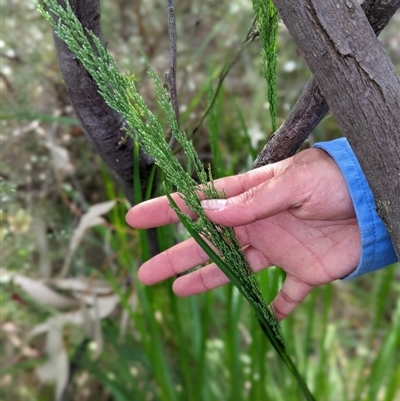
x=75, y=323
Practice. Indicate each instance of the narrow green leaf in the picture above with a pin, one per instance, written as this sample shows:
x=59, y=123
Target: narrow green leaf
x=120, y=93
x=263, y=321
x=267, y=25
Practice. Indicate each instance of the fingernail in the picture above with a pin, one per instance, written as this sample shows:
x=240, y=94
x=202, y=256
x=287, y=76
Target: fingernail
x=213, y=204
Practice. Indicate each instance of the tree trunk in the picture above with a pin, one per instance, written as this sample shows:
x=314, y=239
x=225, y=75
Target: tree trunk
x=312, y=107
x=361, y=87
x=102, y=126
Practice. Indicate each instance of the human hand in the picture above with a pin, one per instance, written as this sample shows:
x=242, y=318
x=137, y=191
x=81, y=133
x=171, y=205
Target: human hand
x=296, y=214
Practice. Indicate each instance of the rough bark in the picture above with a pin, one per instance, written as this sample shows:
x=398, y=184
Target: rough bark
x=361, y=87
x=102, y=126
x=311, y=107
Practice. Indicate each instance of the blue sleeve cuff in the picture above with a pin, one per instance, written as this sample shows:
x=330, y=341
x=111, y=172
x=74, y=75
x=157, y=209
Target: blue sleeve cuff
x=376, y=247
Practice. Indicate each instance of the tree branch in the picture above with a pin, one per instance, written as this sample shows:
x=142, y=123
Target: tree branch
x=361, y=86
x=252, y=34
x=102, y=126
x=312, y=107
x=171, y=74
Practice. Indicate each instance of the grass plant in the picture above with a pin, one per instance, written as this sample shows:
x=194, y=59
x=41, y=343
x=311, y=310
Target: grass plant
x=120, y=93
x=267, y=26
x=344, y=336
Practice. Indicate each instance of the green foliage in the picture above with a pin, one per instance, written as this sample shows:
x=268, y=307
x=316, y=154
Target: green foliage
x=335, y=335
x=120, y=92
x=267, y=26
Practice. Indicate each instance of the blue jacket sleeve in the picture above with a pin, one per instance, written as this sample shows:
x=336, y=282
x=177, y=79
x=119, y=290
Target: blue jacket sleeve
x=376, y=247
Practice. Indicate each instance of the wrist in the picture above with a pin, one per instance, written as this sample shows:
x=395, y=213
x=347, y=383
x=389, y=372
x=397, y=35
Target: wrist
x=376, y=247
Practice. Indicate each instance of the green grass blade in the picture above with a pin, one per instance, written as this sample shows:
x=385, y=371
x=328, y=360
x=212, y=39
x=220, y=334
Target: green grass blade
x=150, y=182
x=120, y=92
x=387, y=357
x=213, y=120
x=243, y=125
x=265, y=325
x=322, y=376
x=393, y=386
x=201, y=349
x=185, y=366
x=232, y=344
x=267, y=25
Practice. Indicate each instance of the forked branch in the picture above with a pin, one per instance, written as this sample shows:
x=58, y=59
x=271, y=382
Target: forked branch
x=312, y=107
x=361, y=86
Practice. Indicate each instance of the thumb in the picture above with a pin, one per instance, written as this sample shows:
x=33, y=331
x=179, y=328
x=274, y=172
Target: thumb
x=264, y=200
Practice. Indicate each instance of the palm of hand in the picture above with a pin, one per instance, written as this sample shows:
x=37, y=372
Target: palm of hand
x=296, y=214
x=312, y=251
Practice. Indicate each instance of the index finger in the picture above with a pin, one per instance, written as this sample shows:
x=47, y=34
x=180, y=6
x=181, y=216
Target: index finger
x=157, y=212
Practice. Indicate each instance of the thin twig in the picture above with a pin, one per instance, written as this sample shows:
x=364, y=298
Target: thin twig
x=171, y=74
x=251, y=35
